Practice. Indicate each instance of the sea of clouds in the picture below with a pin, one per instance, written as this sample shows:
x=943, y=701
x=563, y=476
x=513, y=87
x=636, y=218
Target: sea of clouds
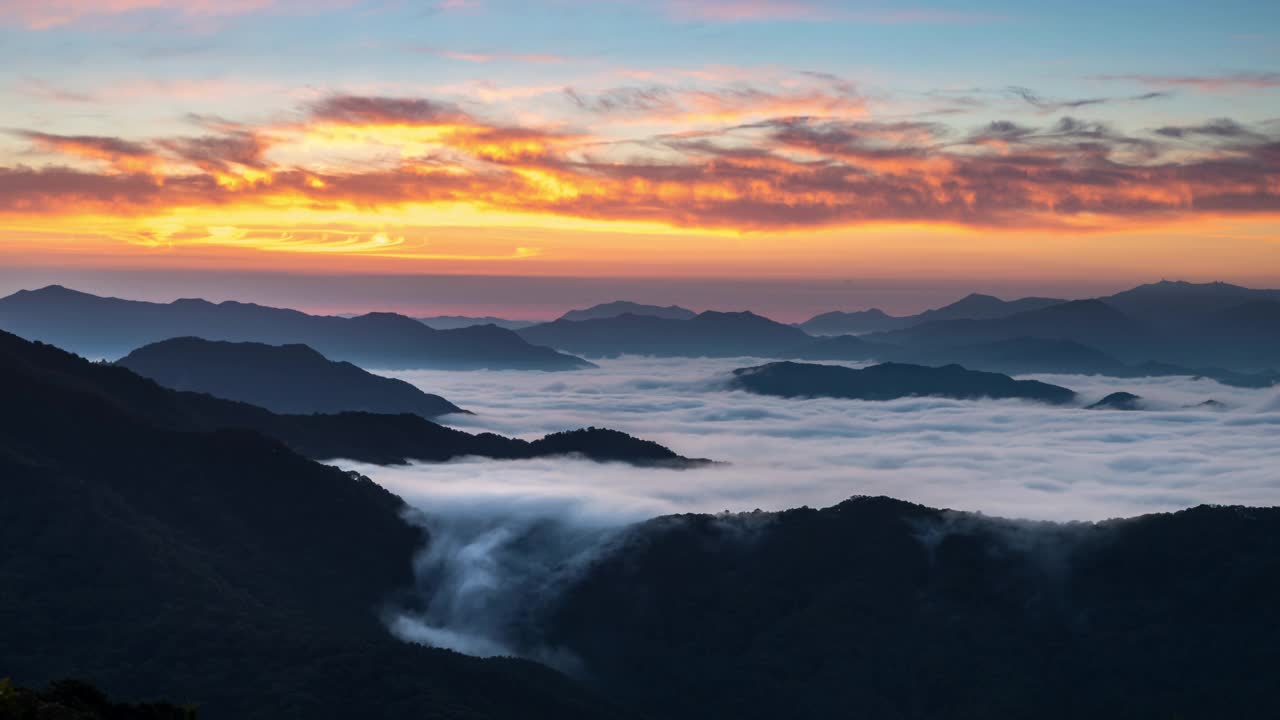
x=1011, y=458
x=504, y=531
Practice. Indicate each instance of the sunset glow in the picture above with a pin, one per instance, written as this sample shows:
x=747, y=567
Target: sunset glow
x=537, y=152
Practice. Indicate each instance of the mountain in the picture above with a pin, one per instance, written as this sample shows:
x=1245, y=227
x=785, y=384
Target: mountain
x=623, y=307
x=889, y=381
x=215, y=568
x=1089, y=322
x=1018, y=356
x=1177, y=304
x=453, y=322
x=1211, y=329
x=708, y=334
x=362, y=436
x=883, y=609
x=110, y=327
x=1118, y=401
x=857, y=322
x=974, y=306
x=1256, y=318
x=289, y=379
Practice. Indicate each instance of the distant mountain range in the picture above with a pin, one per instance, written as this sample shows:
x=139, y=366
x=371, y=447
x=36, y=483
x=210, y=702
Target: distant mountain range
x=595, y=312
x=110, y=328
x=1232, y=335
x=971, y=307
x=1216, y=330
x=1019, y=355
x=362, y=436
x=160, y=557
x=623, y=307
x=289, y=379
x=453, y=322
x=1166, y=304
x=707, y=334
x=890, y=381
x=883, y=609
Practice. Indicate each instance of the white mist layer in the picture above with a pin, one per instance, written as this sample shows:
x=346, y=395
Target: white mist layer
x=1005, y=458
x=1012, y=458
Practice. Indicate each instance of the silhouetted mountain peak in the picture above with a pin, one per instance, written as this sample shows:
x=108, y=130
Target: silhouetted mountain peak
x=974, y=299
x=626, y=307
x=714, y=316
x=1118, y=401
x=52, y=293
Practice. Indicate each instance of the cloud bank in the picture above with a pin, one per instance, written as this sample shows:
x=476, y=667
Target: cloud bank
x=748, y=159
x=506, y=535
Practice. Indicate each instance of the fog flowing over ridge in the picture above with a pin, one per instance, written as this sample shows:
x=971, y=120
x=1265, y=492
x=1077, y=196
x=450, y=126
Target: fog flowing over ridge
x=507, y=533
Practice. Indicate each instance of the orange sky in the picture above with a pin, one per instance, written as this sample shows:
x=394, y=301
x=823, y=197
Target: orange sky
x=579, y=167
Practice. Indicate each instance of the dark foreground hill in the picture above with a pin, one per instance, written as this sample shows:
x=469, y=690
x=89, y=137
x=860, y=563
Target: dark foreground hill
x=110, y=327
x=282, y=379
x=367, y=437
x=709, y=334
x=889, y=381
x=77, y=700
x=878, y=608
x=217, y=568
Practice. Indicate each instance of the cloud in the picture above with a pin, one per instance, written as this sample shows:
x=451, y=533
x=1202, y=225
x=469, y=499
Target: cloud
x=970, y=455
x=817, y=94
x=1208, y=83
x=51, y=14
x=373, y=153
x=813, y=11
x=364, y=110
x=120, y=154
x=508, y=534
x=1047, y=106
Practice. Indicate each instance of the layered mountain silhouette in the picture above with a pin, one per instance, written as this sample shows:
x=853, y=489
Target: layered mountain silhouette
x=362, y=436
x=890, y=381
x=289, y=379
x=1177, y=305
x=624, y=307
x=880, y=608
x=1084, y=321
x=708, y=334
x=215, y=567
x=974, y=306
x=453, y=322
x=838, y=322
x=1019, y=355
x=110, y=327
x=1216, y=330
x=1210, y=329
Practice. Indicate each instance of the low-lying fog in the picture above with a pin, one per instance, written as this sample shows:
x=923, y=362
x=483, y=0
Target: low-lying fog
x=1010, y=458
x=1005, y=458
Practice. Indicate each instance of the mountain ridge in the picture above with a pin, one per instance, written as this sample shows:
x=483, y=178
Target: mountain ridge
x=112, y=327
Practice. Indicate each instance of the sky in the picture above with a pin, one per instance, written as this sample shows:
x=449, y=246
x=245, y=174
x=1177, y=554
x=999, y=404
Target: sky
x=673, y=146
